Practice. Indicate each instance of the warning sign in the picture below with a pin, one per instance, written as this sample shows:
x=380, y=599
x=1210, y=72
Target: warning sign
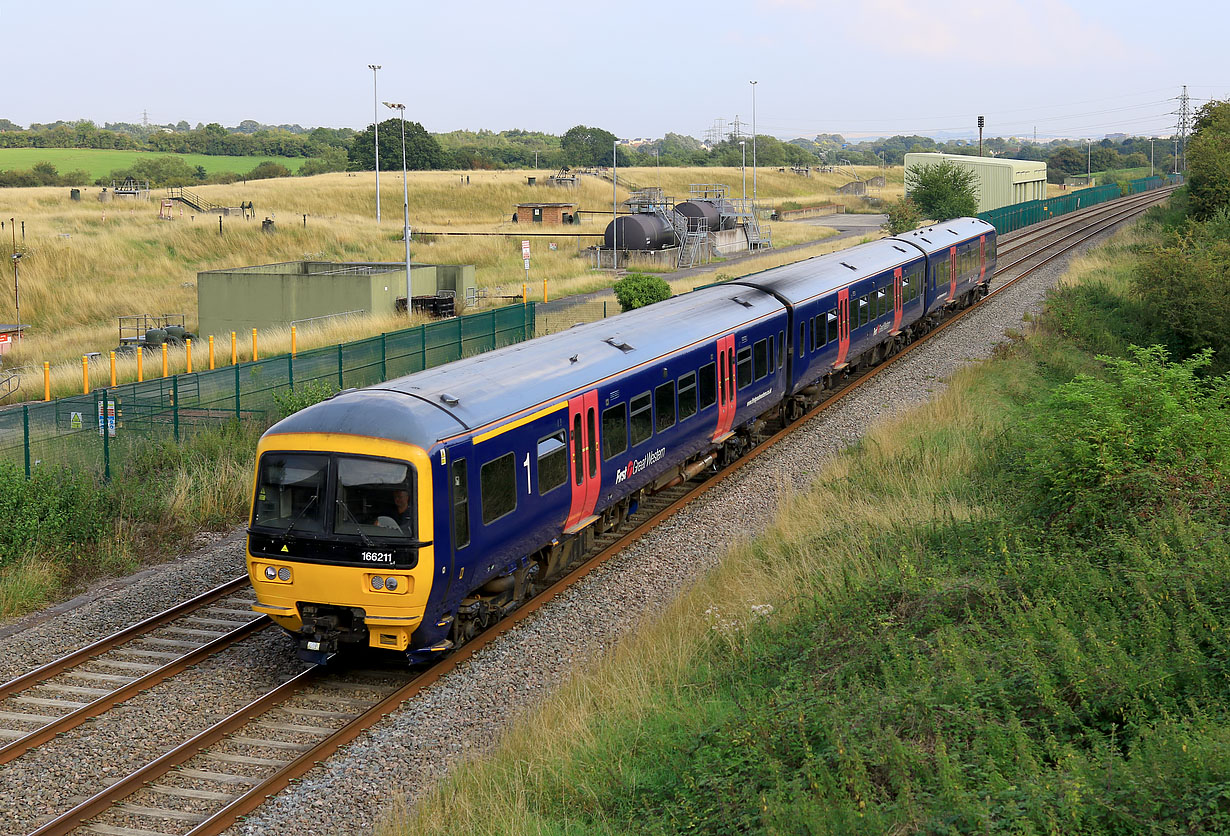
x=74, y=420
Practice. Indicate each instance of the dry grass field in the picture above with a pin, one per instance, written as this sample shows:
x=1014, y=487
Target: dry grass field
x=87, y=263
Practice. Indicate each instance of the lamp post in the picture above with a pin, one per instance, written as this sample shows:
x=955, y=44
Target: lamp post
x=1150, y=158
x=753, y=83
x=1088, y=162
x=743, y=151
x=376, y=129
x=615, y=205
x=17, y=292
x=405, y=195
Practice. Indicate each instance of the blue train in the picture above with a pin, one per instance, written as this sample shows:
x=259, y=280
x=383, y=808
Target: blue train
x=411, y=514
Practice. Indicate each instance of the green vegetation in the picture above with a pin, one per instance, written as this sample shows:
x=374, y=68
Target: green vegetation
x=943, y=190
x=903, y=215
x=1003, y=612
x=1208, y=160
x=99, y=164
x=636, y=290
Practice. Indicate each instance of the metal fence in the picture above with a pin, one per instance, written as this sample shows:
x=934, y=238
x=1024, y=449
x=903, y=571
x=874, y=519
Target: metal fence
x=100, y=430
x=1018, y=215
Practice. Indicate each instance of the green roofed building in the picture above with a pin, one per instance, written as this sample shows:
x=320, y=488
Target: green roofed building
x=279, y=295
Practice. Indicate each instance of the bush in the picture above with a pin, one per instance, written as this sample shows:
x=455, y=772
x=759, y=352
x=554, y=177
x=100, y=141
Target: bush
x=290, y=401
x=267, y=171
x=943, y=190
x=636, y=290
x=903, y=216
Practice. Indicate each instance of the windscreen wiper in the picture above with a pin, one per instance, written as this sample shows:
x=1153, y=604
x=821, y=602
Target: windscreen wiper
x=357, y=525
x=302, y=511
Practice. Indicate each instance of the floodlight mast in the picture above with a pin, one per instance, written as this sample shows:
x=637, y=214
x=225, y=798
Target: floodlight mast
x=376, y=131
x=405, y=195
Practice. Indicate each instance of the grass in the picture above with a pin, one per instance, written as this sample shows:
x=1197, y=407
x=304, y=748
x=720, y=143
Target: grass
x=909, y=649
x=87, y=263
x=101, y=162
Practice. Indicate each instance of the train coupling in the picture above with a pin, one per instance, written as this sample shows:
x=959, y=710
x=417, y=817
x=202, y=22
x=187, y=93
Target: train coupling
x=324, y=629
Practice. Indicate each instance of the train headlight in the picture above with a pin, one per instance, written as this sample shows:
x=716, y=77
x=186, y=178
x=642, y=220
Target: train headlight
x=377, y=582
x=271, y=573
x=390, y=584
x=284, y=573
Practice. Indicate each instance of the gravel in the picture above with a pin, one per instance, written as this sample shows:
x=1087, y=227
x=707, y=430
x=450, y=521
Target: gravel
x=463, y=714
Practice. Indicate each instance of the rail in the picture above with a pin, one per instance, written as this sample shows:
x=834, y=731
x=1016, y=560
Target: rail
x=192, y=199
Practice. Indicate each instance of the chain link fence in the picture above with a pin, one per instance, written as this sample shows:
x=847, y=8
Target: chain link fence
x=100, y=430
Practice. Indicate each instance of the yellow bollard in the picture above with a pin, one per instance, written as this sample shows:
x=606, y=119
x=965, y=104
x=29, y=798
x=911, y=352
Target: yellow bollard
x=113, y=370
x=293, y=341
x=140, y=363
x=524, y=294
x=46, y=381
x=164, y=359
x=188, y=354
x=255, y=357
x=85, y=375
x=544, y=290
x=234, y=350
x=211, y=351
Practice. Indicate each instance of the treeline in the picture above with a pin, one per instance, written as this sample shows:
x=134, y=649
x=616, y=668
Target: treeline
x=247, y=140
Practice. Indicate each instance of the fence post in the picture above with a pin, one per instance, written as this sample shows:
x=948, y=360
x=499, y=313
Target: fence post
x=175, y=406
x=495, y=334
x=236, y=367
x=290, y=370
x=384, y=358
x=105, y=423
x=340, y=383
x=25, y=426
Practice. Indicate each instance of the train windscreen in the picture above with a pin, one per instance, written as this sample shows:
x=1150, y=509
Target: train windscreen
x=290, y=493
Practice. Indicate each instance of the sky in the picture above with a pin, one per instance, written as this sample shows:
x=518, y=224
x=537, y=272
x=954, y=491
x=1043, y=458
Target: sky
x=1072, y=68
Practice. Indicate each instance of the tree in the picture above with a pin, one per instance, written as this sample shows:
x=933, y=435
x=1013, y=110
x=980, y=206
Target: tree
x=636, y=290
x=422, y=150
x=267, y=170
x=583, y=145
x=943, y=190
x=1208, y=160
x=903, y=216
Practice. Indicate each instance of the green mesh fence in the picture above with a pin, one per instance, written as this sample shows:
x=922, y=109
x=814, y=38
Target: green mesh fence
x=98, y=431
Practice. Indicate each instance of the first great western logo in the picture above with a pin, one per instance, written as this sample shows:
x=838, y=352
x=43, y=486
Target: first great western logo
x=635, y=466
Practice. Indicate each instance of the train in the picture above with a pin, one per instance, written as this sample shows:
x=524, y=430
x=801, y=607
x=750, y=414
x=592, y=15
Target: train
x=393, y=516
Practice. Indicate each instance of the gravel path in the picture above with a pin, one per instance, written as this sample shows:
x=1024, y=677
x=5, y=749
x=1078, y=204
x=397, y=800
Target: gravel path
x=464, y=713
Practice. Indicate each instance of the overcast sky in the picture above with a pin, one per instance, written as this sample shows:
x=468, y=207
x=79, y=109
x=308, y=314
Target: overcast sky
x=638, y=69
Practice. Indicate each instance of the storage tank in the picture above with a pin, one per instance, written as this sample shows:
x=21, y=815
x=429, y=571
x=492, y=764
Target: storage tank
x=709, y=210
x=639, y=232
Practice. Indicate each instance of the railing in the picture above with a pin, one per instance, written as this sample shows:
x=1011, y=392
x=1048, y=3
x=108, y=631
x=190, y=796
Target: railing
x=192, y=199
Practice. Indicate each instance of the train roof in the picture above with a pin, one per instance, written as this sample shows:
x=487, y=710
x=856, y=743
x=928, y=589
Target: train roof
x=941, y=236
x=429, y=406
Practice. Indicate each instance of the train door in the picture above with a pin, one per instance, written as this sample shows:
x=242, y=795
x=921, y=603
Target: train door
x=843, y=325
x=726, y=385
x=458, y=498
x=952, y=273
x=584, y=474
x=897, y=300
x=982, y=259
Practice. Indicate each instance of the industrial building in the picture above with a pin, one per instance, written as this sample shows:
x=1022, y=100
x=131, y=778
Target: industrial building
x=295, y=292
x=1000, y=182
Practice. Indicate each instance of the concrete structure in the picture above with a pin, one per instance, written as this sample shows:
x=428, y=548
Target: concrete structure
x=279, y=295
x=1000, y=182
x=10, y=336
x=546, y=213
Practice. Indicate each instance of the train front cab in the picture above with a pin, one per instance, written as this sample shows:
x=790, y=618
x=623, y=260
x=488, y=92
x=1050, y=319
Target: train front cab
x=335, y=555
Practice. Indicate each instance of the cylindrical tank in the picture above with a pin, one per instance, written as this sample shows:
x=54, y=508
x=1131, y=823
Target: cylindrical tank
x=710, y=211
x=155, y=336
x=639, y=232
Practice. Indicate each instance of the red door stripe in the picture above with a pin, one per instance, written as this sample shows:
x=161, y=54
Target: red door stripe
x=593, y=453
x=897, y=299
x=843, y=325
x=982, y=258
x=726, y=385
x=952, y=273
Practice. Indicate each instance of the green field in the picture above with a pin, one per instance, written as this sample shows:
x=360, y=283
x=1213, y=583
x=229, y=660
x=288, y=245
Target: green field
x=100, y=163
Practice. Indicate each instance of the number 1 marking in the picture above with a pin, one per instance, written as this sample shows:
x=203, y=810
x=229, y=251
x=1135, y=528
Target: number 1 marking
x=528, y=489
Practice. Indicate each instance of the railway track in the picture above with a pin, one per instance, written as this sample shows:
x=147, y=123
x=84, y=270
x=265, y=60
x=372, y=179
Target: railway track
x=227, y=771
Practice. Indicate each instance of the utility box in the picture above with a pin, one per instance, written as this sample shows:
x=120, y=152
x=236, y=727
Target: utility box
x=279, y=295
x=1000, y=182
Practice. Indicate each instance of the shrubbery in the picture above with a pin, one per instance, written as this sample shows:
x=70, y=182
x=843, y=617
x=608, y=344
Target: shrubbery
x=637, y=290
x=903, y=216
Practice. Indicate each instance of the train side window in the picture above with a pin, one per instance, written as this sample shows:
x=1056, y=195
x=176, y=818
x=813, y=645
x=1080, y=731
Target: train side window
x=722, y=377
x=744, y=367
x=461, y=505
x=881, y=303
x=771, y=351
x=862, y=310
x=642, y=418
x=687, y=396
x=614, y=430
x=578, y=460
x=760, y=358
x=498, y=483
x=591, y=421
x=781, y=349
x=706, y=386
x=802, y=337
x=831, y=326
x=852, y=309
x=664, y=406
x=811, y=334
x=552, y=462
